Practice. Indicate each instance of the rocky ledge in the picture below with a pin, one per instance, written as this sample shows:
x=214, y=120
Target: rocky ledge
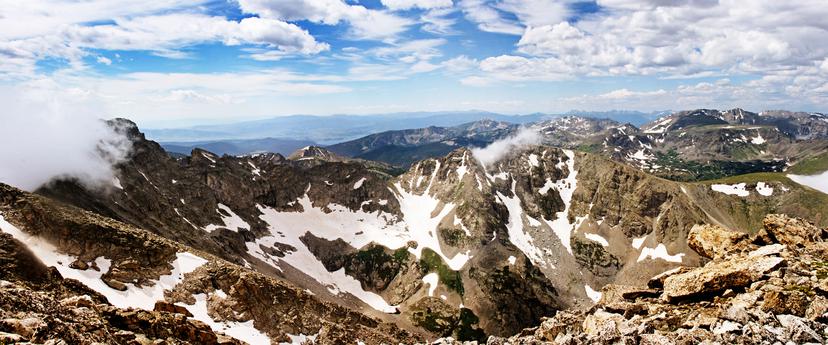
x=766, y=288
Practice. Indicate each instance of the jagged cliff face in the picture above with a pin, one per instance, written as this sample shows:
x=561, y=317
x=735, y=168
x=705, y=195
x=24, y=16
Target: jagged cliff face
x=449, y=248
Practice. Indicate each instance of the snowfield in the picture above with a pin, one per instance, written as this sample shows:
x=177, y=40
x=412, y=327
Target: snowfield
x=134, y=297
x=358, y=229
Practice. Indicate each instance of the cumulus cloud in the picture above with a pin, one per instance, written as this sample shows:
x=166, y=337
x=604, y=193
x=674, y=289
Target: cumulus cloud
x=48, y=133
x=164, y=35
x=364, y=23
x=397, y=5
x=689, y=37
x=501, y=148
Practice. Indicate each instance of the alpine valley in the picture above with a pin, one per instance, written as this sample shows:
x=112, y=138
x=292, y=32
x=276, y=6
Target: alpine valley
x=700, y=226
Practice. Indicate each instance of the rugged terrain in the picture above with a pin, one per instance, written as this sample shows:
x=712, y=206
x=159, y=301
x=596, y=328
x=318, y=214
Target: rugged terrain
x=113, y=283
x=767, y=288
x=342, y=249
x=452, y=247
x=686, y=146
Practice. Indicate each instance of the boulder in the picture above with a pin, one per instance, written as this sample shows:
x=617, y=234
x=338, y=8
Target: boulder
x=114, y=284
x=655, y=339
x=792, y=231
x=602, y=326
x=785, y=302
x=718, y=276
x=713, y=241
x=171, y=308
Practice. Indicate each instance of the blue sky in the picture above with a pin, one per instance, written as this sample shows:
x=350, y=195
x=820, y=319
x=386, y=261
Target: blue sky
x=175, y=62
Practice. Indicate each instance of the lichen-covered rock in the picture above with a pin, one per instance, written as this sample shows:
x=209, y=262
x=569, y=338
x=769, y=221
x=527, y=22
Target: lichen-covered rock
x=718, y=276
x=792, y=231
x=714, y=241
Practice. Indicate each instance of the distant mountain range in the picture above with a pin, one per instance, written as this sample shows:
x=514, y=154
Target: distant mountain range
x=288, y=133
x=333, y=129
x=239, y=147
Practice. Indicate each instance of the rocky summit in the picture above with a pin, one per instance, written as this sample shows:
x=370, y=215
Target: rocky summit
x=768, y=288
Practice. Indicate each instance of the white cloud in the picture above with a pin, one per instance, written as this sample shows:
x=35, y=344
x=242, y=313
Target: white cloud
x=501, y=148
x=532, y=13
x=460, y=63
x=488, y=18
x=364, y=23
x=476, y=81
x=438, y=21
x=50, y=131
x=396, y=5
x=164, y=35
x=627, y=94
x=104, y=60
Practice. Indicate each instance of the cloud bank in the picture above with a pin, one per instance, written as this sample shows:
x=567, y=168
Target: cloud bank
x=55, y=134
x=499, y=149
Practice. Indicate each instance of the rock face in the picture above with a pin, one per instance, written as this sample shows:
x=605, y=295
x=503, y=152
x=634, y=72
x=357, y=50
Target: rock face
x=757, y=292
x=135, y=287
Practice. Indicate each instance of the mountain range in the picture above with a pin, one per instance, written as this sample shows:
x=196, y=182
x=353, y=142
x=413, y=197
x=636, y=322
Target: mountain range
x=560, y=230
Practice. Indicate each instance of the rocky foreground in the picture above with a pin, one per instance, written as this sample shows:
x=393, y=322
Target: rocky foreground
x=766, y=288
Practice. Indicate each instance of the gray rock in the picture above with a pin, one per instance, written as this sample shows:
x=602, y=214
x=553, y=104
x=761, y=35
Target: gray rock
x=797, y=329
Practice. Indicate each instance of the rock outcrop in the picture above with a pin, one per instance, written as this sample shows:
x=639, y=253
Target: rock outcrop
x=753, y=291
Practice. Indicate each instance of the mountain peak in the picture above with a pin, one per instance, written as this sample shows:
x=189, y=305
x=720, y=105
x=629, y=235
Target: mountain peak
x=314, y=152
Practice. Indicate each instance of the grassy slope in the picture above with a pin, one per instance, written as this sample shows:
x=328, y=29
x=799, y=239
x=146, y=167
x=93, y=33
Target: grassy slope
x=811, y=166
x=802, y=199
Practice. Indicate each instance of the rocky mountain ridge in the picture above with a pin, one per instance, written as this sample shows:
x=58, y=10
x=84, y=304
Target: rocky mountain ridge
x=688, y=145
x=452, y=247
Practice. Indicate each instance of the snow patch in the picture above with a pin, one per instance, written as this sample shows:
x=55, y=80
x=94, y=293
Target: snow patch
x=359, y=183
x=595, y=296
x=431, y=279
x=512, y=259
x=758, y=140
x=533, y=160
x=637, y=242
x=255, y=170
x=459, y=222
x=764, y=189
x=597, y=238
x=240, y=330
x=517, y=235
x=134, y=297
x=566, y=188
x=232, y=222
x=659, y=252
x=734, y=189
x=288, y=227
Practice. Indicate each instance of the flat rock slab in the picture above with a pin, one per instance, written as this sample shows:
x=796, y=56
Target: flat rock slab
x=718, y=276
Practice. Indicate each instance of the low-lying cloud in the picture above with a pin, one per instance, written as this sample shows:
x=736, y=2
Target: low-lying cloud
x=48, y=133
x=499, y=149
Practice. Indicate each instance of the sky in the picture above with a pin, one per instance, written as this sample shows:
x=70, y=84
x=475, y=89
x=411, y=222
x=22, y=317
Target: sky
x=172, y=62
